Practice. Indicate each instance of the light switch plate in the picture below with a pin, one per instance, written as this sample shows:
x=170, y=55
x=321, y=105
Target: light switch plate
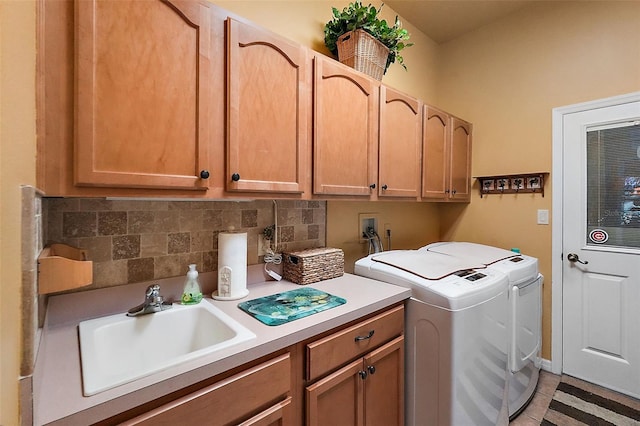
x=543, y=217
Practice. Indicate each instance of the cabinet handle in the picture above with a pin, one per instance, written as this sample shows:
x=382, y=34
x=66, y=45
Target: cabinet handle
x=235, y=177
x=362, y=374
x=368, y=336
x=384, y=187
x=204, y=174
x=372, y=186
x=371, y=369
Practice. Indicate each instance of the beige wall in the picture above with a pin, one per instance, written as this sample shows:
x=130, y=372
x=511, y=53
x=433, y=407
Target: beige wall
x=17, y=167
x=506, y=78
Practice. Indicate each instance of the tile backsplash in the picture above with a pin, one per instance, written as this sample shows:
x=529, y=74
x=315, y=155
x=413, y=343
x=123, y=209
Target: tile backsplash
x=138, y=240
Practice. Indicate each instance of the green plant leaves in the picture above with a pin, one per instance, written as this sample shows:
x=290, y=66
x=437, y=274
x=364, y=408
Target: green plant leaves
x=356, y=16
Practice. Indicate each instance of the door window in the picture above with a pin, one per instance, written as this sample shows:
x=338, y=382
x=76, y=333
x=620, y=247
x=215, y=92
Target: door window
x=613, y=185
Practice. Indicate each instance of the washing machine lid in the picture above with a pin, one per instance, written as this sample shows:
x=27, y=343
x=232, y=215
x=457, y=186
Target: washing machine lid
x=481, y=253
x=426, y=264
x=520, y=269
x=457, y=286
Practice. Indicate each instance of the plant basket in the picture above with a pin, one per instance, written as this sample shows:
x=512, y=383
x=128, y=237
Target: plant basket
x=363, y=52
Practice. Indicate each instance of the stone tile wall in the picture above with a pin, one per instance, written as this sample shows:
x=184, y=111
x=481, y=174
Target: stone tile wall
x=137, y=240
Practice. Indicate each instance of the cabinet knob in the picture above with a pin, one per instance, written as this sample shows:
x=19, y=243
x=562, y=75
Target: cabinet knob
x=384, y=187
x=204, y=174
x=446, y=191
x=372, y=186
x=453, y=192
x=235, y=177
x=371, y=369
x=362, y=374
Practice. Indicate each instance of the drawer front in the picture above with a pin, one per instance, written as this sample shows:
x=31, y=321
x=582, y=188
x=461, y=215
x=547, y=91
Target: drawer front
x=229, y=400
x=337, y=349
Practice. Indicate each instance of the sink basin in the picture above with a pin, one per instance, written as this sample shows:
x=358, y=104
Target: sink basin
x=118, y=349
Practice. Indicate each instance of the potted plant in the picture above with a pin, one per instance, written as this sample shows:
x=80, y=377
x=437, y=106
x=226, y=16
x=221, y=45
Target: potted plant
x=356, y=17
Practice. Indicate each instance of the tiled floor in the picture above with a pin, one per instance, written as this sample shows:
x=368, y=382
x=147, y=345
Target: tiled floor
x=533, y=414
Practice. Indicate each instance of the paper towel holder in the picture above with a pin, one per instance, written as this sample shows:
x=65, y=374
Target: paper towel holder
x=232, y=266
x=224, y=286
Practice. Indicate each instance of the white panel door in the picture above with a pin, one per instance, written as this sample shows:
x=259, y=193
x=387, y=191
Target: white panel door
x=601, y=246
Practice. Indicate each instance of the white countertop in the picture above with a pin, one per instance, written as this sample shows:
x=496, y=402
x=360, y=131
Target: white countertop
x=57, y=380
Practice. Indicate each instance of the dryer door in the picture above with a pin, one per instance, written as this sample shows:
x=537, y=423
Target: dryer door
x=526, y=326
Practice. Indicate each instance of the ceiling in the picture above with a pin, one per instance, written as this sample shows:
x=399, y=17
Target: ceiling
x=444, y=20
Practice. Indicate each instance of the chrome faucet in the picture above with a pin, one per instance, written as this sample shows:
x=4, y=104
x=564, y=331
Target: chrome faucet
x=153, y=302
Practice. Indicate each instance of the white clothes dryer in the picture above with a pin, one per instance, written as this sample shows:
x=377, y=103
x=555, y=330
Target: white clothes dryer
x=525, y=323
x=456, y=336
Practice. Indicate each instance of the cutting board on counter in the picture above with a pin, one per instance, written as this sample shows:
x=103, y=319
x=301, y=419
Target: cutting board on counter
x=290, y=305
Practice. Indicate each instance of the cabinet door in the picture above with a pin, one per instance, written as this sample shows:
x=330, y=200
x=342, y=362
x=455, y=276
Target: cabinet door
x=142, y=94
x=400, y=145
x=435, y=143
x=338, y=398
x=384, y=385
x=460, y=162
x=268, y=104
x=345, y=130
x=277, y=415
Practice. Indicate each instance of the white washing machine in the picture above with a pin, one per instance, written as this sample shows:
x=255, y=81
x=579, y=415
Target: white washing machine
x=456, y=336
x=525, y=294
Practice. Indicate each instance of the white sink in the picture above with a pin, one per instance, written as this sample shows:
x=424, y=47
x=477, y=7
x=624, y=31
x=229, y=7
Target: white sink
x=118, y=349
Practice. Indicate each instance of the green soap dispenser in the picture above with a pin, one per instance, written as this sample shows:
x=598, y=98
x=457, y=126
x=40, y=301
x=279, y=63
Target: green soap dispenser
x=192, y=293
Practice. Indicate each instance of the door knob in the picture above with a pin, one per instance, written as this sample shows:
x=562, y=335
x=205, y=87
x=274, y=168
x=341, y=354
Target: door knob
x=572, y=257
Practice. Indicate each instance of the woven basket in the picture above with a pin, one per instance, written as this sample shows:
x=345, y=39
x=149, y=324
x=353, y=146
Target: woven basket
x=313, y=265
x=363, y=52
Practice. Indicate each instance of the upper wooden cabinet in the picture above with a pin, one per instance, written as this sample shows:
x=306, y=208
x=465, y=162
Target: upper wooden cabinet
x=435, y=137
x=268, y=104
x=446, y=164
x=142, y=94
x=460, y=161
x=400, y=145
x=345, y=154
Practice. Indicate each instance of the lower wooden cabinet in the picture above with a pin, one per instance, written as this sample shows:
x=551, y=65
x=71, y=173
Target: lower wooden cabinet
x=368, y=386
x=368, y=391
x=233, y=400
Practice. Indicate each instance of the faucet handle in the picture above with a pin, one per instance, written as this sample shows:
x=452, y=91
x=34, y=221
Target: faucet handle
x=152, y=294
x=152, y=290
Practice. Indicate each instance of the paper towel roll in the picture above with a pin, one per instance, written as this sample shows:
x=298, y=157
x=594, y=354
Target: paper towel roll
x=232, y=265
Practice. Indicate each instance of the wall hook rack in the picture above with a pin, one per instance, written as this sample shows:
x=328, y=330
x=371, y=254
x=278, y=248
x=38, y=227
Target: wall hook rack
x=512, y=184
